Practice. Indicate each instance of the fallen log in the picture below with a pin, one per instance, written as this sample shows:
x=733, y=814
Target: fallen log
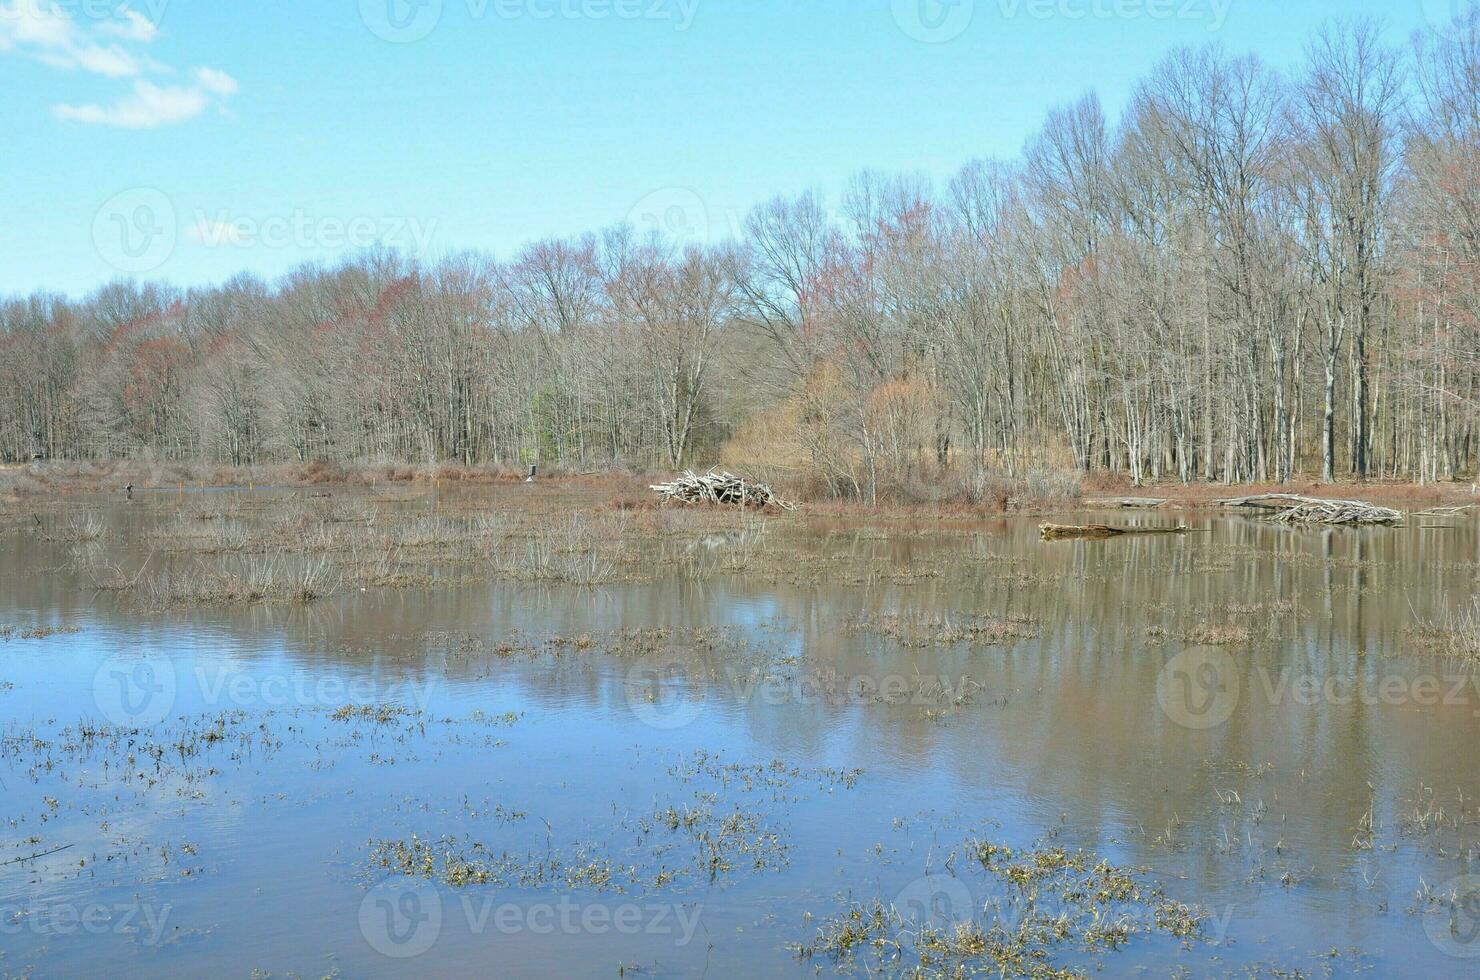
x=717, y=487
x=1059, y=532
x=1128, y=502
x=1265, y=501
x=1444, y=511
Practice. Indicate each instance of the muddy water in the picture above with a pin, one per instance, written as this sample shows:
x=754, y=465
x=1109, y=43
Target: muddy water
x=1245, y=715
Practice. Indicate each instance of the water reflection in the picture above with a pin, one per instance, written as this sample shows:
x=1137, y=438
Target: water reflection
x=1295, y=808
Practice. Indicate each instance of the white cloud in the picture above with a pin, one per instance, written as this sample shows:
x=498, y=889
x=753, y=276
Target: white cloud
x=30, y=23
x=214, y=81
x=112, y=61
x=147, y=107
x=44, y=31
x=135, y=27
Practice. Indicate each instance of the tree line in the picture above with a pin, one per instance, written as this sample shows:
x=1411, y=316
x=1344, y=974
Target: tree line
x=1251, y=275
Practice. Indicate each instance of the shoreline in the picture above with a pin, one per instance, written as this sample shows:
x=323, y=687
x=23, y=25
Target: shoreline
x=628, y=489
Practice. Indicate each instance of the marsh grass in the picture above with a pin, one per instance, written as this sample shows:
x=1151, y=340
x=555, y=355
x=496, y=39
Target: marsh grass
x=379, y=714
x=77, y=529
x=724, y=820
x=720, y=844
x=212, y=538
x=1456, y=638
x=1031, y=907
x=577, y=550
x=250, y=547
x=1217, y=634
x=459, y=864
x=1448, y=824
x=299, y=550
x=35, y=632
x=687, y=644
x=250, y=579
x=914, y=631
x=208, y=510
x=425, y=531
x=724, y=841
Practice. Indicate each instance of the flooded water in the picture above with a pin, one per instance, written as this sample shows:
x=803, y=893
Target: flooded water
x=680, y=774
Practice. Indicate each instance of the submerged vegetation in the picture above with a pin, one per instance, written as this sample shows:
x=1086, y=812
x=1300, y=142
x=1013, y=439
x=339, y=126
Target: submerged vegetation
x=296, y=551
x=365, y=621
x=707, y=708
x=1009, y=914
x=972, y=629
x=35, y=632
x=1456, y=638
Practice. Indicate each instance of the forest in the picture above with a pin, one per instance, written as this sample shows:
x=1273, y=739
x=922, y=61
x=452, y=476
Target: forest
x=1254, y=274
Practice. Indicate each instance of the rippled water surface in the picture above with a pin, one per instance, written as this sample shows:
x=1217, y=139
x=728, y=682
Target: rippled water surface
x=740, y=732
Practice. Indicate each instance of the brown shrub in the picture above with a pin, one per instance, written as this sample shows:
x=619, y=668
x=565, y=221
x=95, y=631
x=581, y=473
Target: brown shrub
x=317, y=471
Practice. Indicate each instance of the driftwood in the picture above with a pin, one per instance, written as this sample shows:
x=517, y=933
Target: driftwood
x=719, y=488
x=1292, y=508
x=1059, y=532
x=1266, y=501
x=1444, y=511
x=1128, y=502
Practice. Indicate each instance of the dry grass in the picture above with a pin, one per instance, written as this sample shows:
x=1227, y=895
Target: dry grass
x=35, y=632
x=719, y=828
x=261, y=578
x=565, y=554
x=951, y=493
x=1393, y=492
x=1217, y=634
x=1456, y=638
x=76, y=528
x=919, y=632
x=1044, y=480
x=276, y=549
x=91, y=476
x=379, y=714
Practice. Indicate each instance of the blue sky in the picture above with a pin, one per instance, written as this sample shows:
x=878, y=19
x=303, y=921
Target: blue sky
x=189, y=140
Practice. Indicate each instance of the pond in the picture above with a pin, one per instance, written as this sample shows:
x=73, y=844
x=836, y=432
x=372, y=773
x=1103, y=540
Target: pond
x=737, y=746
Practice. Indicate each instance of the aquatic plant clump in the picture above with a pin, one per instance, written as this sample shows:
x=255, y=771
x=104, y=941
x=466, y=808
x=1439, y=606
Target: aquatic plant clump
x=1455, y=638
x=1007, y=914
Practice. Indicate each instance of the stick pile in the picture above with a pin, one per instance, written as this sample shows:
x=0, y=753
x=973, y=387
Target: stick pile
x=1338, y=512
x=1292, y=508
x=719, y=488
